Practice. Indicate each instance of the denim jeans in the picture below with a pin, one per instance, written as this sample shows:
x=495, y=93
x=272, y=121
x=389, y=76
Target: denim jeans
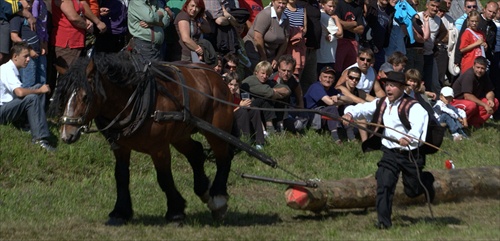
x=30, y=107
x=35, y=72
x=453, y=124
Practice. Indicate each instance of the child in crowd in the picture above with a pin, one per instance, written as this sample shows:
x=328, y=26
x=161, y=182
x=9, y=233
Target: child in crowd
x=449, y=115
x=246, y=121
x=416, y=86
x=331, y=30
x=472, y=42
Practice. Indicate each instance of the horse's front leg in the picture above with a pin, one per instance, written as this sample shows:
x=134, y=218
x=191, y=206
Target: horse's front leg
x=175, y=202
x=218, y=192
x=123, y=211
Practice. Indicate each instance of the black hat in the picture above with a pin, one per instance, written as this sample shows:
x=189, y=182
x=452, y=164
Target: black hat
x=393, y=76
x=328, y=69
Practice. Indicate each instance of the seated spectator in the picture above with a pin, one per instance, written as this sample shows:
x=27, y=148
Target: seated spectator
x=265, y=91
x=474, y=93
x=18, y=103
x=349, y=88
x=321, y=95
x=286, y=66
x=455, y=119
x=415, y=86
x=246, y=121
x=367, y=81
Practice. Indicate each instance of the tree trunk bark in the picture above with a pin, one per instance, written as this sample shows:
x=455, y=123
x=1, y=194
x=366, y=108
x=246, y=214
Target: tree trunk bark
x=449, y=185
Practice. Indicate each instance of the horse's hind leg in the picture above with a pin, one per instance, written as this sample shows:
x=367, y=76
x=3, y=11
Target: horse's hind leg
x=122, y=211
x=175, y=202
x=193, y=151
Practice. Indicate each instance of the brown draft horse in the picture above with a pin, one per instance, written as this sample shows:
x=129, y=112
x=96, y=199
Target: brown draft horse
x=103, y=89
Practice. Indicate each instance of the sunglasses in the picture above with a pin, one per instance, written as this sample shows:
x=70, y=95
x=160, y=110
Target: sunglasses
x=472, y=6
x=365, y=59
x=353, y=78
x=231, y=66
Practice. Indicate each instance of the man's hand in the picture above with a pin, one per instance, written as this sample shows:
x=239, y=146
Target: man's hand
x=346, y=119
x=488, y=109
x=404, y=141
x=90, y=26
x=44, y=89
x=103, y=12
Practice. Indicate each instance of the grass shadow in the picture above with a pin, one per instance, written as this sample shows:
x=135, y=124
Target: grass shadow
x=332, y=214
x=232, y=219
x=406, y=221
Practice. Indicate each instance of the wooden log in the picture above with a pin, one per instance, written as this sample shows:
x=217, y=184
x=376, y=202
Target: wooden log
x=449, y=185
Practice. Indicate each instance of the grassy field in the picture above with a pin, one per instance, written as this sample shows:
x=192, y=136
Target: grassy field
x=67, y=195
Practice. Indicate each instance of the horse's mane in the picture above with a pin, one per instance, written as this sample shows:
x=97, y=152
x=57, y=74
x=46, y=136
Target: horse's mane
x=118, y=68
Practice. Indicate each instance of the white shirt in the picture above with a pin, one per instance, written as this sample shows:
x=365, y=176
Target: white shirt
x=440, y=107
x=367, y=80
x=418, y=119
x=326, y=53
x=9, y=80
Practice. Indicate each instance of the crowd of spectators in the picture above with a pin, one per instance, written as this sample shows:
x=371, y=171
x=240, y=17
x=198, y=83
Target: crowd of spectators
x=290, y=54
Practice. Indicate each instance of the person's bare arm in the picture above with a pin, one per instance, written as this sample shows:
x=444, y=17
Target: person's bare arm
x=69, y=11
x=279, y=53
x=258, y=39
x=185, y=36
x=22, y=92
x=474, y=99
x=89, y=15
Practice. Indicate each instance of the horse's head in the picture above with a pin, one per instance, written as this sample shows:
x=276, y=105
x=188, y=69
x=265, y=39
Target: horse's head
x=80, y=100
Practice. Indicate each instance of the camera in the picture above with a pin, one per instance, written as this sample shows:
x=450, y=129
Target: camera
x=245, y=95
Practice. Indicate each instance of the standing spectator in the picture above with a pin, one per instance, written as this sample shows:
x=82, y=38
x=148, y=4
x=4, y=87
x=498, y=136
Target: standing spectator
x=379, y=17
x=396, y=155
x=474, y=93
x=351, y=17
x=472, y=42
x=444, y=49
x=254, y=7
x=146, y=22
x=297, y=17
x=309, y=74
x=114, y=14
x=35, y=71
x=10, y=9
x=469, y=6
x=70, y=20
x=267, y=39
x=247, y=121
x=455, y=119
x=223, y=36
x=323, y=96
x=437, y=32
x=396, y=38
x=18, y=103
x=421, y=32
x=191, y=23
x=331, y=32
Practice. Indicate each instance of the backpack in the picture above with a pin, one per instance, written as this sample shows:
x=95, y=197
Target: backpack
x=435, y=132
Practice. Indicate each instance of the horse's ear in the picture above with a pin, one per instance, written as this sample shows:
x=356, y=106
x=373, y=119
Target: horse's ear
x=60, y=69
x=90, y=67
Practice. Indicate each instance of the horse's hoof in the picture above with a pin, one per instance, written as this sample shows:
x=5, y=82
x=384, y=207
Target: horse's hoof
x=205, y=197
x=218, y=206
x=219, y=214
x=116, y=222
x=176, y=220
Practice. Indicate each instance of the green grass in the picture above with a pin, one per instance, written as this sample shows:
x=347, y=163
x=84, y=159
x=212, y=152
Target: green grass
x=67, y=195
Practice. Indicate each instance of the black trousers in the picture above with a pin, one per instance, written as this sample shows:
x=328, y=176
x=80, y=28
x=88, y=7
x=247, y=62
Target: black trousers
x=392, y=163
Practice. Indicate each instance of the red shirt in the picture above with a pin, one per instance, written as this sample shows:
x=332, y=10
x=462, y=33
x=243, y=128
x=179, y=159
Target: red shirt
x=64, y=33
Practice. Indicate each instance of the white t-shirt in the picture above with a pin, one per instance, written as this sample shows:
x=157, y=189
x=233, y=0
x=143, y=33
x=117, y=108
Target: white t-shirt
x=367, y=80
x=326, y=53
x=9, y=80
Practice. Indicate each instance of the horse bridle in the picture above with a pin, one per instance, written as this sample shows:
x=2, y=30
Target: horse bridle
x=76, y=121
